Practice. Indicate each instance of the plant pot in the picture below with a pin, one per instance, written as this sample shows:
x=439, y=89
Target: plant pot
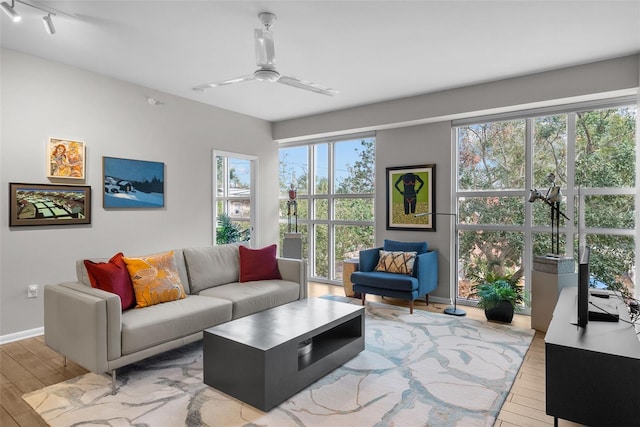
x=502, y=313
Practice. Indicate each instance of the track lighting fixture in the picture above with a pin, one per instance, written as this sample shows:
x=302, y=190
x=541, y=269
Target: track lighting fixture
x=15, y=17
x=48, y=24
x=10, y=11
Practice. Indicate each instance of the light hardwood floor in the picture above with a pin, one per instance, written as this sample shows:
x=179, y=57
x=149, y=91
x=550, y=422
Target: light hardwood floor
x=29, y=365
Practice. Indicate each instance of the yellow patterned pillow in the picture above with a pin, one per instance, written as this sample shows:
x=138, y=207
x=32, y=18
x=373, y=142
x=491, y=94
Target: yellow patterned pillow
x=396, y=262
x=155, y=279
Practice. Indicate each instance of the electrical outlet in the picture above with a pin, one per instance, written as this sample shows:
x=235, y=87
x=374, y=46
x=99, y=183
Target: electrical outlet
x=32, y=291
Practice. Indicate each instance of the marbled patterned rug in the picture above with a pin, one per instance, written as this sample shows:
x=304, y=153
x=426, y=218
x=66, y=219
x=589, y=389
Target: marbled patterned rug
x=423, y=369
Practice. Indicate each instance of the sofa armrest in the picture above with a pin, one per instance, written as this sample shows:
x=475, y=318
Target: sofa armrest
x=368, y=259
x=294, y=270
x=425, y=269
x=83, y=324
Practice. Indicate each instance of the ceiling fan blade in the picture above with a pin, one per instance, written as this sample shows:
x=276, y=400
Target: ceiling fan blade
x=307, y=85
x=265, y=50
x=202, y=87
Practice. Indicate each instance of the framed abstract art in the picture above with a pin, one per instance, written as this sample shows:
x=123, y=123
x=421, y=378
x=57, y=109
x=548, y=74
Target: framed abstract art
x=411, y=198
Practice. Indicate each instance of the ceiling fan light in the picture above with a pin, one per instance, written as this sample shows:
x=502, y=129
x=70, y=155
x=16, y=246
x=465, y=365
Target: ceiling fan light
x=265, y=75
x=10, y=11
x=48, y=24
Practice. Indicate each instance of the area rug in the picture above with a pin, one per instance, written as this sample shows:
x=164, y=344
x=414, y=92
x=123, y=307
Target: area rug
x=423, y=369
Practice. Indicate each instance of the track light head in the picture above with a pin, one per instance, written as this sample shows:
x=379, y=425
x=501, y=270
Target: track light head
x=10, y=11
x=48, y=24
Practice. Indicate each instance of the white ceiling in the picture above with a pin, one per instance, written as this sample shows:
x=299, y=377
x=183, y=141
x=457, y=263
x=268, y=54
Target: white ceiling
x=371, y=51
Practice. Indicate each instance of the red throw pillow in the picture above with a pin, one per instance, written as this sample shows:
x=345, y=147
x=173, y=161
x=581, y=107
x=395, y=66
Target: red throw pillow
x=258, y=264
x=113, y=277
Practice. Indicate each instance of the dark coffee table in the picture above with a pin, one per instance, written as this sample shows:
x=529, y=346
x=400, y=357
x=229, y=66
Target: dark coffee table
x=267, y=357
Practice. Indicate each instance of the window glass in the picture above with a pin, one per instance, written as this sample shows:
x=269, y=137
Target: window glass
x=321, y=168
x=354, y=171
x=294, y=169
x=491, y=156
x=350, y=240
x=483, y=252
x=605, y=148
x=491, y=210
x=593, y=169
x=342, y=171
x=359, y=209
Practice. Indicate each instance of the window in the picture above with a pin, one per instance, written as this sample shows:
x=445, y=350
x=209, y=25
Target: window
x=335, y=195
x=234, y=210
x=591, y=154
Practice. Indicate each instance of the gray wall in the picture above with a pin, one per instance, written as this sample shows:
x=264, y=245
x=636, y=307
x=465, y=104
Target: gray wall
x=42, y=99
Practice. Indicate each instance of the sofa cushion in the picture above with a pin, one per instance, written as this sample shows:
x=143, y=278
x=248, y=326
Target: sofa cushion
x=252, y=297
x=258, y=264
x=384, y=280
x=396, y=262
x=395, y=246
x=155, y=279
x=112, y=276
x=212, y=266
x=161, y=323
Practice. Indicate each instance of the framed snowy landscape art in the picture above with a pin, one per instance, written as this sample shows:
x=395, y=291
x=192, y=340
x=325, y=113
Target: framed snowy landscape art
x=132, y=183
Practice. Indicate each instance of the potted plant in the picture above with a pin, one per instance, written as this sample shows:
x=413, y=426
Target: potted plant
x=500, y=296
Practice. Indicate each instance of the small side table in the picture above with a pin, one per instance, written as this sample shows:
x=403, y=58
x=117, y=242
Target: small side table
x=349, y=266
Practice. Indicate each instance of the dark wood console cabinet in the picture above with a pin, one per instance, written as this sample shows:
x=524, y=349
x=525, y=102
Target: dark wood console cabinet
x=592, y=373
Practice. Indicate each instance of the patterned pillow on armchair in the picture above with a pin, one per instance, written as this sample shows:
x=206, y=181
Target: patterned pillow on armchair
x=396, y=262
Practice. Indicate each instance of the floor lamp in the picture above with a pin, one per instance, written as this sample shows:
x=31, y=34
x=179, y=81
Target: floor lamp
x=454, y=311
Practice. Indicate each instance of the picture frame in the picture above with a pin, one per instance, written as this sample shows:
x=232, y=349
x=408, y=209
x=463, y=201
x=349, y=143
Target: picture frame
x=49, y=204
x=130, y=183
x=65, y=159
x=411, y=198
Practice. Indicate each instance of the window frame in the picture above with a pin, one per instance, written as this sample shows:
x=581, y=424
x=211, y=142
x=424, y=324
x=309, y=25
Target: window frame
x=571, y=228
x=312, y=197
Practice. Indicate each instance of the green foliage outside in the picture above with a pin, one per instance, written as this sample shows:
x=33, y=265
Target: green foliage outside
x=228, y=231
x=492, y=158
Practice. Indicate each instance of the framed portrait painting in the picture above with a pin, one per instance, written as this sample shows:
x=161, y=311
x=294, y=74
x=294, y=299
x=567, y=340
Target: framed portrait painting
x=65, y=159
x=411, y=198
x=132, y=183
x=49, y=204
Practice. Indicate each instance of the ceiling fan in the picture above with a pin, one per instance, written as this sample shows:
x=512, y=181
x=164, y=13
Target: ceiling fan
x=266, y=61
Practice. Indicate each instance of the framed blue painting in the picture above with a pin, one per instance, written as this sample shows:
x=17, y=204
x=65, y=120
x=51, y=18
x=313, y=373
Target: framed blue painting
x=132, y=183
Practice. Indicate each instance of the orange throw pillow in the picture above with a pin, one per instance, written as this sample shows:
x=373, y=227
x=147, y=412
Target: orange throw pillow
x=155, y=279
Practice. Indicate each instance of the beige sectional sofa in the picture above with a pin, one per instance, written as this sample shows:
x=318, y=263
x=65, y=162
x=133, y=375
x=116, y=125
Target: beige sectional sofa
x=88, y=325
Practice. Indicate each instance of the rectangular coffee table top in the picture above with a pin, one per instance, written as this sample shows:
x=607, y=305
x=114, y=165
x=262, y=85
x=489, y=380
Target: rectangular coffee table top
x=273, y=327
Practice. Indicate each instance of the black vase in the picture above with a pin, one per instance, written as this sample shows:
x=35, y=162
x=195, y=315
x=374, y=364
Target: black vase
x=503, y=312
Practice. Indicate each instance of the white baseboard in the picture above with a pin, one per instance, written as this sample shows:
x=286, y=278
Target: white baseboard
x=17, y=336
x=439, y=300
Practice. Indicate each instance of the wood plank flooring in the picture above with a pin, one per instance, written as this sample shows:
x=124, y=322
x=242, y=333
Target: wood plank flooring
x=29, y=365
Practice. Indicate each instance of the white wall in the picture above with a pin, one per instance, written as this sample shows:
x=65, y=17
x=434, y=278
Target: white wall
x=41, y=99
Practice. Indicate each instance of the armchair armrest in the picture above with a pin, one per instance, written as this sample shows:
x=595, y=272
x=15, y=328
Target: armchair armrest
x=83, y=324
x=294, y=270
x=425, y=269
x=368, y=259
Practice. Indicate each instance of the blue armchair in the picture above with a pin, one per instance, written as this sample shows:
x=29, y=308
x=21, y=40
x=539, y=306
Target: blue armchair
x=423, y=280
